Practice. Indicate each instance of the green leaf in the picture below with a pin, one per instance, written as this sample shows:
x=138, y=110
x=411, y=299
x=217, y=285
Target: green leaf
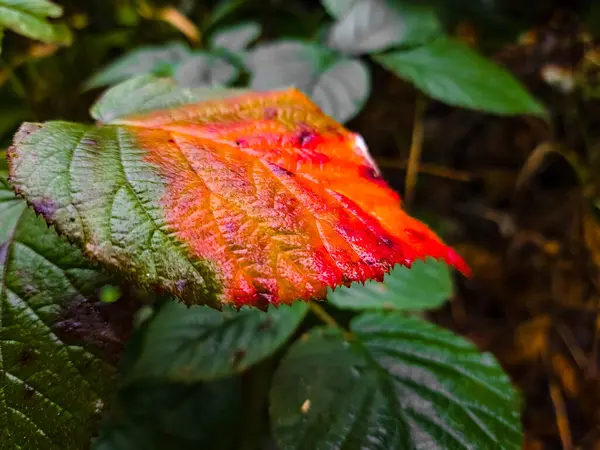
x=203, y=69
x=145, y=93
x=342, y=90
x=339, y=86
x=158, y=60
x=225, y=8
x=160, y=416
x=236, y=38
x=51, y=388
x=426, y=285
x=201, y=343
x=287, y=63
x=372, y=25
x=337, y=8
x=28, y=17
x=400, y=383
x=453, y=73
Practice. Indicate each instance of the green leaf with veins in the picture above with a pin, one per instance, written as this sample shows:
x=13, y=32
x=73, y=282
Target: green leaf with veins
x=397, y=383
x=426, y=285
x=201, y=343
x=340, y=86
x=374, y=25
x=159, y=60
x=452, y=73
x=28, y=17
x=237, y=37
x=51, y=388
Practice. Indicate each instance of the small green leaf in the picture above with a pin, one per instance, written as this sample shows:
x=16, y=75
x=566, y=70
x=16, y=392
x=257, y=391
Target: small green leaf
x=159, y=416
x=400, y=383
x=372, y=25
x=426, y=285
x=343, y=89
x=453, y=73
x=236, y=38
x=201, y=343
x=203, y=69
x=43, y=8
x=51, y=388
x=337, y=8
x=339, y=86
x=158, y=60
x=225, y=8
x=28, y=17
x=287, y=63
x=146, y=92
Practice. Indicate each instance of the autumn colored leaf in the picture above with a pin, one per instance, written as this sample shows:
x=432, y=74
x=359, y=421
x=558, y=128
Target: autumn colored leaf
x=247, y=198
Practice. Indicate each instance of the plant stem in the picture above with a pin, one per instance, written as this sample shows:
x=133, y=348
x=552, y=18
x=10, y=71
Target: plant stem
x=320, y=312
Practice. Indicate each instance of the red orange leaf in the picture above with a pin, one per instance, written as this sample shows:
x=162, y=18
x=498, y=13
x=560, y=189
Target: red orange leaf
x=266, y=198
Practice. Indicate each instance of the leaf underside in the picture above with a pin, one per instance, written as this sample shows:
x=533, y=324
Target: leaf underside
x=253, y=199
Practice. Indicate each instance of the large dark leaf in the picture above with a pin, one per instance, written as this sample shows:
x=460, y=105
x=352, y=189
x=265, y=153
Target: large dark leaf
x=51, y=388
x=398, y=383
x=160, y=416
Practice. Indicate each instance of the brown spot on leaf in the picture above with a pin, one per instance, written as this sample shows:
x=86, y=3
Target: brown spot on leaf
x=28, y=392
x=26, y=357
x=270, y=113
x=266, y=323
x=237, y=357
x=278, y=170
x=102, y=326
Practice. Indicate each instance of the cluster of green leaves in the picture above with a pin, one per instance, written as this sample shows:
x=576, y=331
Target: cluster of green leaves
x=404, y=37
x=373, y=375
x=29, y=18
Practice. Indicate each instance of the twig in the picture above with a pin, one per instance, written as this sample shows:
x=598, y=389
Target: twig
x=320, y=312
x=560, y=409
x=416, y=145
x=427, y=169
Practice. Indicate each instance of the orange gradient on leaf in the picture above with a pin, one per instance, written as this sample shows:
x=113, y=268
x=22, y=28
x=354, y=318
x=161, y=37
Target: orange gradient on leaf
x=280, y=198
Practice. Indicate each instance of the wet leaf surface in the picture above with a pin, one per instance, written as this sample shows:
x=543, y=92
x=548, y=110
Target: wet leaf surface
x=252, y=199
x=399, y=382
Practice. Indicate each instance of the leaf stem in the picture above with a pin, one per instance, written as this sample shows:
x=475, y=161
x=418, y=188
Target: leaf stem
x=320, y=312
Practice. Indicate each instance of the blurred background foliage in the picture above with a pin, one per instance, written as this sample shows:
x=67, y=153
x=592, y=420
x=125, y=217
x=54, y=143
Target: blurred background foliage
x=517, y=195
